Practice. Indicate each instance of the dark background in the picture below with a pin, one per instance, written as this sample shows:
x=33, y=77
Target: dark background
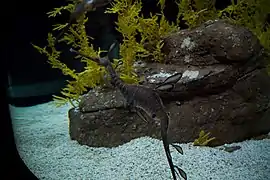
x=32, y=25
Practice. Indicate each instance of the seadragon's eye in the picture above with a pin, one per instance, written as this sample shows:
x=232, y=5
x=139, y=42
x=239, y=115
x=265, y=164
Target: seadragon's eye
x=154, y=115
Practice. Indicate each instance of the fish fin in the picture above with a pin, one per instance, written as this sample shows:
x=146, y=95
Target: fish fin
x=178, y=148
x=173, y=79
x=112, y=46
x=165, y=87
x=181, y=172
x=169, y=83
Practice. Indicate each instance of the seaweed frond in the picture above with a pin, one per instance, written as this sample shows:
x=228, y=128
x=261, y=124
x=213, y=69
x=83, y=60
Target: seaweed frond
x=57, y=11
x=151, y=30
x=127, y=25
x=78, y=39
x=197, y=12
x=203, y=139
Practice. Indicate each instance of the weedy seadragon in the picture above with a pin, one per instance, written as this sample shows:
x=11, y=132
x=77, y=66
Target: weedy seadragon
x=144, y=100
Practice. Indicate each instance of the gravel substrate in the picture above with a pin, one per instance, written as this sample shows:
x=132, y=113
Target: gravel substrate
x=41, y=134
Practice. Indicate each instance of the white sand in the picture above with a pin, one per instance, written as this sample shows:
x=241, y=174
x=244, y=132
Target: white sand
x=41, y=134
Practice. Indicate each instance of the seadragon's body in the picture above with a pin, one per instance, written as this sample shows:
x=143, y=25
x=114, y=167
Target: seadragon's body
x=143, y=100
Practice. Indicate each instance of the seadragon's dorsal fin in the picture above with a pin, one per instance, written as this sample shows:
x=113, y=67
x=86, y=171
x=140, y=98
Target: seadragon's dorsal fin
x=169, y=83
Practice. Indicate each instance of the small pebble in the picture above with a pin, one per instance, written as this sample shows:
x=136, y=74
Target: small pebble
x=178, y=103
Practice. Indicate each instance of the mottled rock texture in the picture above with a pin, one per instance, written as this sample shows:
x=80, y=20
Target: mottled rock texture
x=225, y=90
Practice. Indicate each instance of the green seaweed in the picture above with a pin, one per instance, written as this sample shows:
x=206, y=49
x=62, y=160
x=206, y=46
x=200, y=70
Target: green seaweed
x=77, y=38
x=129, y=24
x=203, y=139
x=196, y=12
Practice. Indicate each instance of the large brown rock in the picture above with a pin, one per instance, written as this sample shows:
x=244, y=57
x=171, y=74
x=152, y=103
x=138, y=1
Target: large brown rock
x=214, y=42
x=225, y=90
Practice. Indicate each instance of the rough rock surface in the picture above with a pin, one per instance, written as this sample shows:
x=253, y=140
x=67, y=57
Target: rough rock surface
x=224, y=90
x=214, y=42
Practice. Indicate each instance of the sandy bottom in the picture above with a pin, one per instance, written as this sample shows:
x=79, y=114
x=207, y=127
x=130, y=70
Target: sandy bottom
x=42, y=139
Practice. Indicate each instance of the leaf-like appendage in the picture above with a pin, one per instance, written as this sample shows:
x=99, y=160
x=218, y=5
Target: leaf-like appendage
x=178, y=148
x=181, y=172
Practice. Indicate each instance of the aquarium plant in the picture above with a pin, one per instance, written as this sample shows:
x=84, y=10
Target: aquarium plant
x=203, y=139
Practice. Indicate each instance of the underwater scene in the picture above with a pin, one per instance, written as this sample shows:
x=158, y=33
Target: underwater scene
x=145, y=90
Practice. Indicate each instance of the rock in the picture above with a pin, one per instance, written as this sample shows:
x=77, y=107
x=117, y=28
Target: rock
x=225, y=90
x=230, y=149
x=213, y=42
x=108, y=127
